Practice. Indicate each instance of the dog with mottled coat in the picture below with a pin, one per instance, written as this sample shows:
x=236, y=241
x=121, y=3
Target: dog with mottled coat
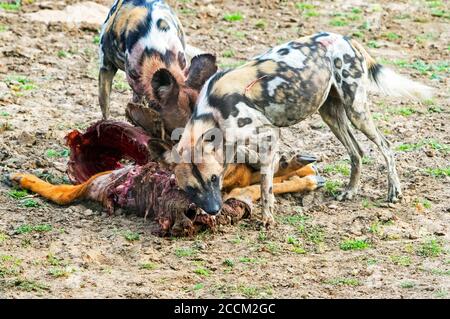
x=145, y=39
x=325, y=72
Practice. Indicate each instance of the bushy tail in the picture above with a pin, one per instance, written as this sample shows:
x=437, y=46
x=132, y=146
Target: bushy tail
x=59, y=194
x=390, y=82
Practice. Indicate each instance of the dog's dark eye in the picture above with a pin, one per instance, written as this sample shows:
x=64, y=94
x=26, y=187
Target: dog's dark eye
x=214, y=178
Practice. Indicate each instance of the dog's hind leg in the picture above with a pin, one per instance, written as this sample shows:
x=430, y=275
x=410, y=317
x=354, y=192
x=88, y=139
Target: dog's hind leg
x=359, y=114
x=105, y=79
x=333, y=113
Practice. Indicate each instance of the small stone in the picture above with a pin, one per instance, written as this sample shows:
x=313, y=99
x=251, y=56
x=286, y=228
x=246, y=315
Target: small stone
x=26, y=138
x=430, y=153
x=88, y=212
x=317, y=125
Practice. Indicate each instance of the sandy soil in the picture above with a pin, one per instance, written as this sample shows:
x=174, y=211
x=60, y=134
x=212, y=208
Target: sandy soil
x=48, y=86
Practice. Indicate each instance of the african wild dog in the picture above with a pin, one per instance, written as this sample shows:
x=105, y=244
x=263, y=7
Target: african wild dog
x=145, y=39
x=324, y=72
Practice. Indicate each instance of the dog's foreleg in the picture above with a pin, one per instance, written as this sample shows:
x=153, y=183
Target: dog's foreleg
x=105, y=79
x=267, y=197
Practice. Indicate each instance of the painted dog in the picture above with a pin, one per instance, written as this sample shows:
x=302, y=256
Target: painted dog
x=324, y=72
x=145, y=39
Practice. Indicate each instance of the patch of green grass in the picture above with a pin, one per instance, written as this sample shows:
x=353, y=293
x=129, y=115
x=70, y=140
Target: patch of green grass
x=10, y=6
x=57, y=154
x=358, y=34
x=375, y=228
x=202, y=272
x=401, y=260
x=438, y=172
x=430, y=248
x=228, y=53
x=434, y=3
x=431, y=143
x=4, y=113
x=131, y=236
x=433, y=70
x=404, y=111
x=121, y=84
x=30, y=203
x=96, y=39
x=148, y=266
x=294, y=220
x=440, y=13
x=3, y=237
x=312, y=233
x=9, y=266
x=407, y=285
x=373, y=44
x=29, y=285
x=18, y=83
x=338, y=22
x=304, y=6
x=261, y=24
x=392, y=36
x=42, y=228
x=372, y=261
x=440, y=272
x=441, y=293
x=424, y=202
x=408, y=147
x=341, y=167
x=311, y=13
x=292, y=240
x=354, y=244
x=250, y=291
x=239, y=35
x=198, y=286
x=185, y=252
x=356, y=10
x=54, y=261
x=187, y=11
x=228, y=262
x=248, y=260
x=233, y=17
x=18, y=193
x=58, y=272
x=3, y=28
x=26, y=228
x=299, y=250
x=62, y=54
x=272, y=247
x=435, y=109
x=332, y=187
x=343, y=282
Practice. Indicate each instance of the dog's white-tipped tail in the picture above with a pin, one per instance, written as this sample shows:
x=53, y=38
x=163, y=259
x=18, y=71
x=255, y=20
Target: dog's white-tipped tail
x=390, y=82
x=394, y=84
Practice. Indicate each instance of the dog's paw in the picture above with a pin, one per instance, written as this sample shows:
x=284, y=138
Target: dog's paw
x=394, y=194
x=348, y=194
x=305, y=159
x=268, y=221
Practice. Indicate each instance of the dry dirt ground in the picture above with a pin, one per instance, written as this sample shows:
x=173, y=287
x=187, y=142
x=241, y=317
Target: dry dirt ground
x=320, y=248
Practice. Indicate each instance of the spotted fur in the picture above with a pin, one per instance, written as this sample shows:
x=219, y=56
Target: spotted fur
x=324, y=72
x=141, y=37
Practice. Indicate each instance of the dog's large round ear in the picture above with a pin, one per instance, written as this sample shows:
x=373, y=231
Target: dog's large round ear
x=165, y=87
x=202, y=67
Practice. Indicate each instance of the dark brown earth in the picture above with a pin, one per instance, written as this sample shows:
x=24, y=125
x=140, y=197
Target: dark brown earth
x=48, y=86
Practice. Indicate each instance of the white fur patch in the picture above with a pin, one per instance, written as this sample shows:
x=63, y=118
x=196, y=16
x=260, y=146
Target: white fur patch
x=273, y=85
x=295, y=58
